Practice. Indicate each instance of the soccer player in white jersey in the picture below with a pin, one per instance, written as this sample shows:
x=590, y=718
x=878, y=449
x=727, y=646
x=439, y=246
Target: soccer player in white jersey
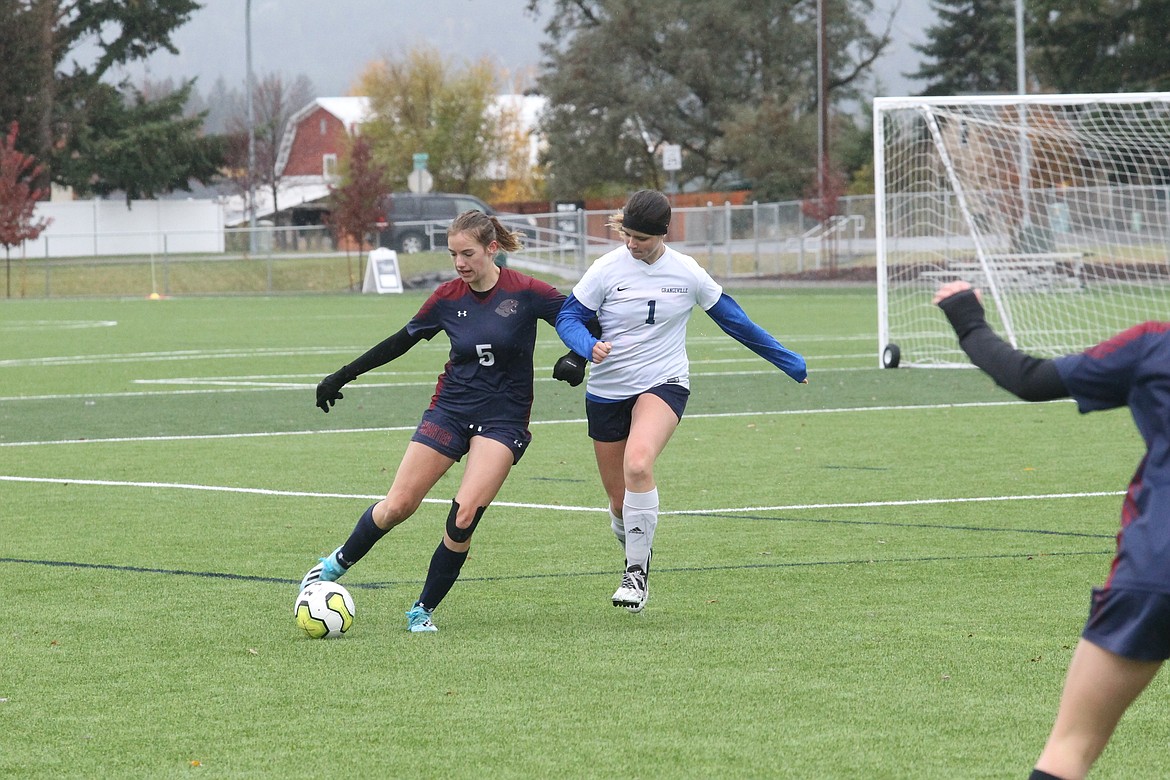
x=642, y=295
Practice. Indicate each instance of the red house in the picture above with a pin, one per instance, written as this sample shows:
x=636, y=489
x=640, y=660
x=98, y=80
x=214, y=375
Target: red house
x=306, y=163
x=317, y=134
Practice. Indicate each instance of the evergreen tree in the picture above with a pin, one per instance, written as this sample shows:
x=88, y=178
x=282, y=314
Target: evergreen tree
x=69, y=110
x=1072, y=46
x=971, y=49
x=1082, y=46
x=141, y=149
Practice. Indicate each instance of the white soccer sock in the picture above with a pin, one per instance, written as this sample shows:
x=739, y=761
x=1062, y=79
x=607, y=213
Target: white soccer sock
x=640, y=511
x=618, y=526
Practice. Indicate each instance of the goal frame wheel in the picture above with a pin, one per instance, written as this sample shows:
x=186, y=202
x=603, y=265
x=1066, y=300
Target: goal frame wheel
x=891, y=356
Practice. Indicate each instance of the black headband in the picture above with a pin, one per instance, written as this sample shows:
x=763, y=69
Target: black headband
x=642, y=224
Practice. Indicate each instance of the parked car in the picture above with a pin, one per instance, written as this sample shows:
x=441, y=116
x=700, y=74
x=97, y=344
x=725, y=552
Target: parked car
x=418, y=222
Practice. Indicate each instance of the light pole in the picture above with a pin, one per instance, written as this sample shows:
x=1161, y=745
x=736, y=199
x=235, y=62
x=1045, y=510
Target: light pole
x=822, y=102
x=1022, y=89
x=1021, y=73
x=251, y=130
x=823, y=168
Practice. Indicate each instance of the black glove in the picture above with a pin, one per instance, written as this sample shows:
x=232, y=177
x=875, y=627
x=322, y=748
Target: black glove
x=329, y=389
x=570, y=368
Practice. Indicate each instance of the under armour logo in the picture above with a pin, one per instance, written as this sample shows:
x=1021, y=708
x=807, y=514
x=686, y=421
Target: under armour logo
x=461, y=313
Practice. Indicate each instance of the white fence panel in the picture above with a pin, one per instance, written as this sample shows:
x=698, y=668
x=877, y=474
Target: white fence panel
x=91, y=228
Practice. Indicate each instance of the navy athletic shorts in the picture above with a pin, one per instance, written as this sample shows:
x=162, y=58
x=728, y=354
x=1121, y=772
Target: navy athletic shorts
x=1134, y=624
x=451, y=437
x=610, y=420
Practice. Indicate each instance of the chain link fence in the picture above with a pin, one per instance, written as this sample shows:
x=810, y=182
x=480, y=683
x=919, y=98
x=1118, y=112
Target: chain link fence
x=760, y=240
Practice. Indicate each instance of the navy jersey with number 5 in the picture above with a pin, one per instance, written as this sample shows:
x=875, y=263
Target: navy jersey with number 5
x=488, y=375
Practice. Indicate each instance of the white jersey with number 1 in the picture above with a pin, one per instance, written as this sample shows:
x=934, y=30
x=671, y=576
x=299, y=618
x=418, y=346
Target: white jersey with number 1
x=643, y=311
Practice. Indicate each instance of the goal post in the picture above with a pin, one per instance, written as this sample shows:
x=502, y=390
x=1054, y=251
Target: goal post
x=1056, y=206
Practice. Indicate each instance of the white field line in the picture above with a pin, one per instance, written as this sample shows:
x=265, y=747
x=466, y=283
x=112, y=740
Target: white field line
x=905, y=502
x=40, y=326
x=249, y=352
x=209, y=436
x=216, y=385
x=182, y=354
x=228, y=384
x=560, y=507
x=566, y=421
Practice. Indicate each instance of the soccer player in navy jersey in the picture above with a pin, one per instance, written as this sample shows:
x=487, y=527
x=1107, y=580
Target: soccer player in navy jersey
x=642, y=294
x=1127, y=635
x=480, y=408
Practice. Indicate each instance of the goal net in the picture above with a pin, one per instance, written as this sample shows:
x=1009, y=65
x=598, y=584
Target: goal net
x=1056, y=206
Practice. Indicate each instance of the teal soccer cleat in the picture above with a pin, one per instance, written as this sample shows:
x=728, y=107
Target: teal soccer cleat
x=418, y=619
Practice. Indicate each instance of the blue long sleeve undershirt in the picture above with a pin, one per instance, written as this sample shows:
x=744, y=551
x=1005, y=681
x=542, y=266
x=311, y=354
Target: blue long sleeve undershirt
x=726, y=313
x=733, y=320
x=572, y=330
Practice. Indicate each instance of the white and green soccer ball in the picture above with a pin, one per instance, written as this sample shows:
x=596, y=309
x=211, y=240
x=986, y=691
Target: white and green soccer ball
x=324, y=610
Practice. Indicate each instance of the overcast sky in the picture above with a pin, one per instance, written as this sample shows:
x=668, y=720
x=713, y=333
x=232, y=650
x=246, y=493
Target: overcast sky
x=330, y=42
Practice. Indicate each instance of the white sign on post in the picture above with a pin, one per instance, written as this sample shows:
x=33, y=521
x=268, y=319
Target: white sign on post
x=382, y=274
x=671, y=157
x=420, y=181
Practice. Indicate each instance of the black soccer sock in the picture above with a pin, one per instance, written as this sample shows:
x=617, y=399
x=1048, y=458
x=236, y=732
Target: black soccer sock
x=364, y=536
x=444, y=570
x=1040, y=774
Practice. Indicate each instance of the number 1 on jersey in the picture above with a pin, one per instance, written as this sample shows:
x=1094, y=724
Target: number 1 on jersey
x=650, y=314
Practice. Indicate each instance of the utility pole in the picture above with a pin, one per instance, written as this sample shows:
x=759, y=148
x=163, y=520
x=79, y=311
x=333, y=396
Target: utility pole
x=1021, y=67
x=822, y=102
x=251, y=130
x=1022, y=89
x=823, y=167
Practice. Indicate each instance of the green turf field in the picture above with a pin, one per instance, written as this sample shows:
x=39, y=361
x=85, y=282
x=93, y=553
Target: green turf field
x=878, y=575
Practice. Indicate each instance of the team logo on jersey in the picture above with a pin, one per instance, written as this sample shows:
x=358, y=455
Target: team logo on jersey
x=675, y=289
x=508, y=307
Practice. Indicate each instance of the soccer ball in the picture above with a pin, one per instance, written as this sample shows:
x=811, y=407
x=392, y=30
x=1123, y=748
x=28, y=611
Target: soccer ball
x=324, y=610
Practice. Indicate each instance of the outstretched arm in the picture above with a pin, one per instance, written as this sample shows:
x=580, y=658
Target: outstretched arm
x=329, y=389
x=1029, y=378
x=734, y=321
x=578, y=328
